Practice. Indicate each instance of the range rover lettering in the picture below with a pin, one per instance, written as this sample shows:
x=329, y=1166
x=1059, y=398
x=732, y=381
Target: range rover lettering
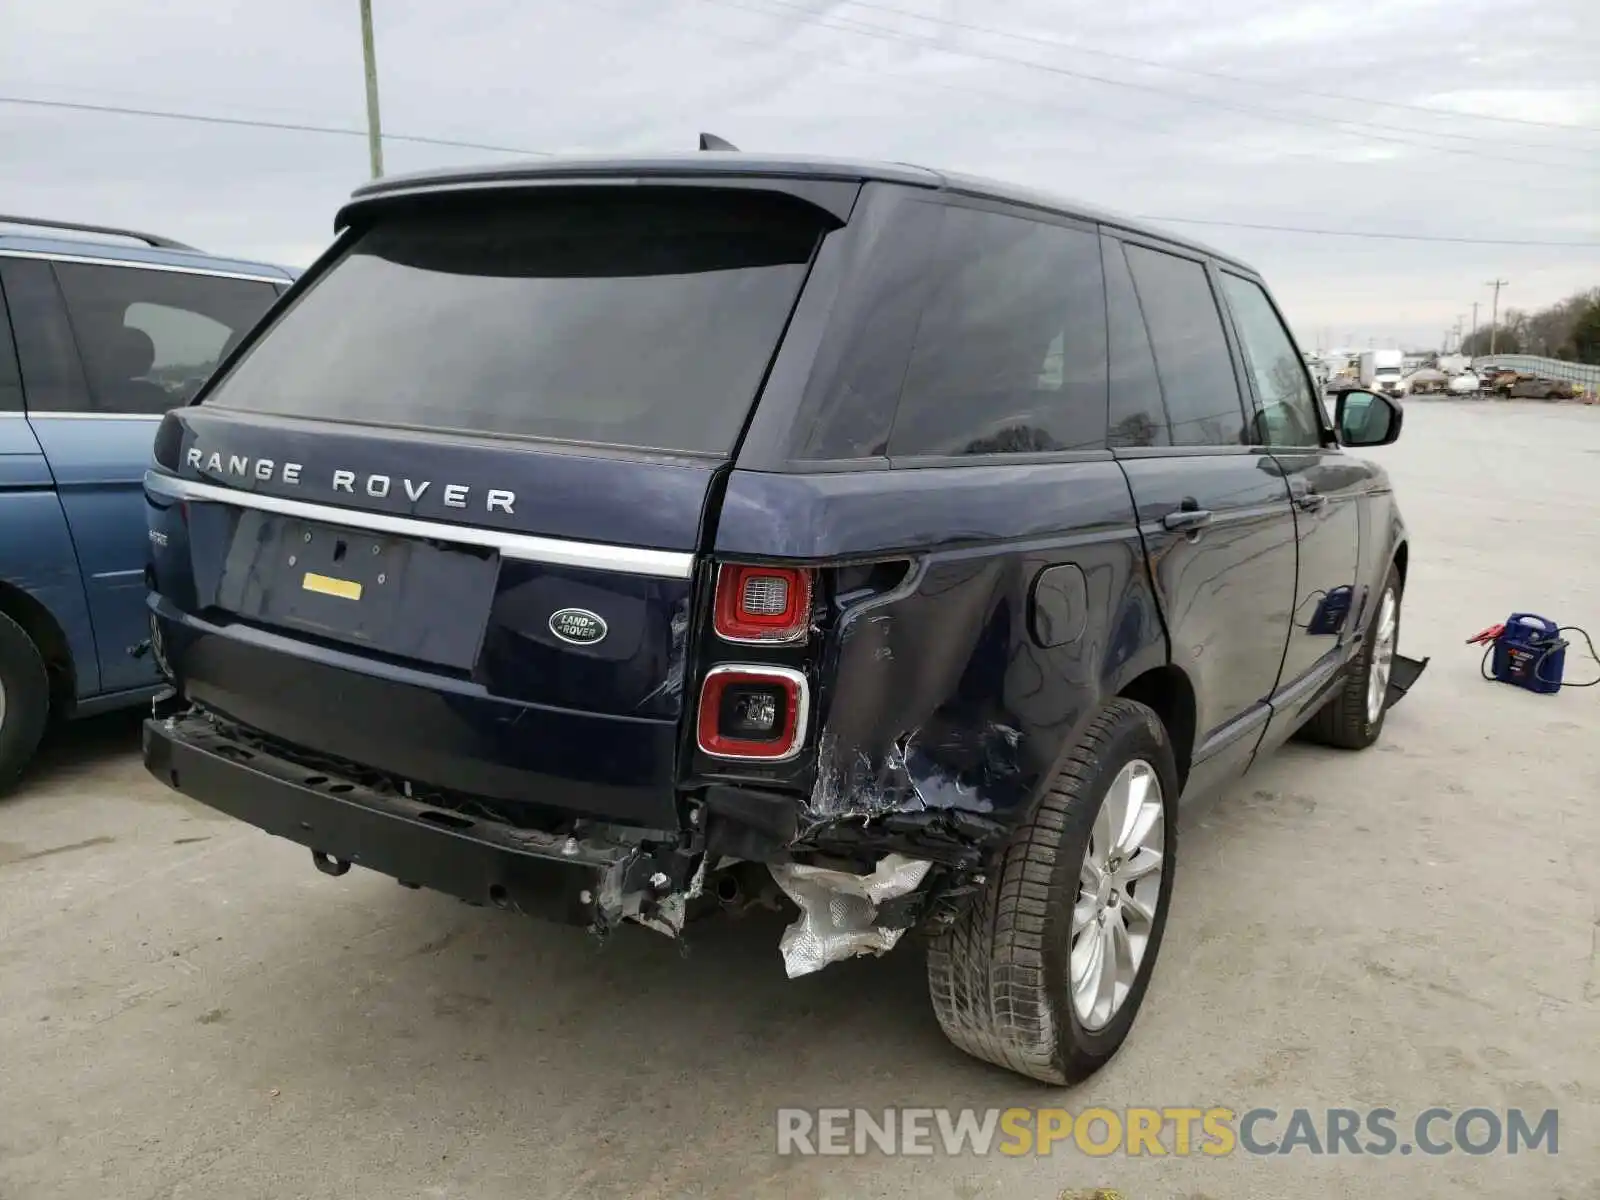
x=622, y=540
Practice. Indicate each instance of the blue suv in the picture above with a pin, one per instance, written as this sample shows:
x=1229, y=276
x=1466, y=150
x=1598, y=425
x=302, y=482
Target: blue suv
x=102, y=331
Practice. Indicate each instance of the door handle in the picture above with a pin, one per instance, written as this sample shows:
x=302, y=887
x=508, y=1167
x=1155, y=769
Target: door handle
x=1186, y=519
x=1311, y=501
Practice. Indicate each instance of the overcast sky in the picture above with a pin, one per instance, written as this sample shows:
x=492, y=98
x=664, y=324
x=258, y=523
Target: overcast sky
x=860, y=80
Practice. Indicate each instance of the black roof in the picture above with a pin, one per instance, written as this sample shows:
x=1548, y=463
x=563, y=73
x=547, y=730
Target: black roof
x=737, y=164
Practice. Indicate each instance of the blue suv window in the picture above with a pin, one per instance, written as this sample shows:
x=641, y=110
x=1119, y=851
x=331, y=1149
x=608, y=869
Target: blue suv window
x=645, y=319
x=1010, y=352
x=51, y=373
x=149, y=338
x=10, y=375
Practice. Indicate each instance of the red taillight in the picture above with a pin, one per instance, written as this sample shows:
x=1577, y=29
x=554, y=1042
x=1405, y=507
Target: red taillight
x=753, y=712
x=762, y=604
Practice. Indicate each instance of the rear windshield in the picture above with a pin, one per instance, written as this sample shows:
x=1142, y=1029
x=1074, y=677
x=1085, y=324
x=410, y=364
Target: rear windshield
x=642, y=319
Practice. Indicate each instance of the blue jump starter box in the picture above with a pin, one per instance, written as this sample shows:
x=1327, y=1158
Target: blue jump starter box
x=1529, y=653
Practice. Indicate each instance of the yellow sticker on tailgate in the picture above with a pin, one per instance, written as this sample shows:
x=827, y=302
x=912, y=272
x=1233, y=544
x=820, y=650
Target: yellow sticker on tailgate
x=345, y=589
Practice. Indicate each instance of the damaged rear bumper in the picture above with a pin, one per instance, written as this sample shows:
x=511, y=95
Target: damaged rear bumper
x=875, y=878
x=597, y=877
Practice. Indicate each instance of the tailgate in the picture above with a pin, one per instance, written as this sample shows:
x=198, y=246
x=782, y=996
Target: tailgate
x=441, y=519
x=521, y=667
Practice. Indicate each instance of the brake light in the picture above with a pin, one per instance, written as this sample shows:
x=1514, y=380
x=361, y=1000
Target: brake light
x=753, y=712
x=762, y=604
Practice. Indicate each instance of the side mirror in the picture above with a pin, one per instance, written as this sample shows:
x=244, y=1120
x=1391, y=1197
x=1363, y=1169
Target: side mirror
x=1366, y=418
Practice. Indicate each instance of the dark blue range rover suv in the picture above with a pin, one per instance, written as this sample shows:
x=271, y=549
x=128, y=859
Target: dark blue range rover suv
x=621, y=539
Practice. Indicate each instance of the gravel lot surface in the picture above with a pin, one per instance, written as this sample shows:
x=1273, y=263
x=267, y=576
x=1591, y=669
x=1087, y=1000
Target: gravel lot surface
x=188, y=1009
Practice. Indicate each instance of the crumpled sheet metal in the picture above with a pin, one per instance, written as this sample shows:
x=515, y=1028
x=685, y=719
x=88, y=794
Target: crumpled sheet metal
x=838, y=910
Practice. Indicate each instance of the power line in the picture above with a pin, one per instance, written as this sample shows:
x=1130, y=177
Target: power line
x=293, y=127
x=882, y=78
x=1383, y=235
x=1221, y=75
x=327, y=129
x=1342, y=125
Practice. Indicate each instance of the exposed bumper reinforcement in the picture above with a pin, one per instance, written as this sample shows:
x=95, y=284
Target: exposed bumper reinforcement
x=1404, y=673
x=596, y=879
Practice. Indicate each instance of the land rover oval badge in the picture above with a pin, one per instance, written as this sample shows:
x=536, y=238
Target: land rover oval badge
x=578, y=626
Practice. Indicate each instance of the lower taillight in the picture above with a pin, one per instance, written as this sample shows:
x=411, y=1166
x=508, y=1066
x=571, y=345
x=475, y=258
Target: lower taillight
x=753, y=712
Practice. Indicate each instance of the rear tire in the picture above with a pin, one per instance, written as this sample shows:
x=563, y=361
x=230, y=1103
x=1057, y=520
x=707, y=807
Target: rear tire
x=1347, y=720
x=1002, y=979
x=24, y=700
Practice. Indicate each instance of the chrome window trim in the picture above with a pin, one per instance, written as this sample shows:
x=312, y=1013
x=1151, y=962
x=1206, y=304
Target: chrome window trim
x=92, y=261
x=593, y=556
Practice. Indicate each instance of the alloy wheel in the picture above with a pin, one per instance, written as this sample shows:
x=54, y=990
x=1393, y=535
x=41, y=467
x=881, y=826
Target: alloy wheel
x=1119, y=888
x=1382, y=656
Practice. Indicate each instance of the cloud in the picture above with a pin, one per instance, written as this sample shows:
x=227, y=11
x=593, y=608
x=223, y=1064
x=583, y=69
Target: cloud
x=852, y=79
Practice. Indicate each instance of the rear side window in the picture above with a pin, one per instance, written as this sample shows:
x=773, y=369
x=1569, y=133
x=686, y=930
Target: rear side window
x=1010, y=351
x=852, y=395
x=1197, y=379
x=642, y=319
x=150, y=338
x=1137, y=415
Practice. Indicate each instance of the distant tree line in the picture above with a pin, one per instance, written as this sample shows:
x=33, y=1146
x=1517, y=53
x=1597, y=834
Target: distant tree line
x=1568, y=330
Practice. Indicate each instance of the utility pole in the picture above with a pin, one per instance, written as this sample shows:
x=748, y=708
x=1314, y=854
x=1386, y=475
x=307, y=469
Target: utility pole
x=1494, y=316
x=374, y=126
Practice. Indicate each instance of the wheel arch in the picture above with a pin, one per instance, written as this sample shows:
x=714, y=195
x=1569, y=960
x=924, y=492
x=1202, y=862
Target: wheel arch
x=1169, y=692
x=49, y=639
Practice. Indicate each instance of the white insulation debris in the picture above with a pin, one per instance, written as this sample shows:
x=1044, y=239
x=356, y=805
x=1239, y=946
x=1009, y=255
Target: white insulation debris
x=839, y=910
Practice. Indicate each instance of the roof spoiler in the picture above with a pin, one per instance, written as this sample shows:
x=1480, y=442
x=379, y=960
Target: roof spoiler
x=710, y=141
x=149, y=239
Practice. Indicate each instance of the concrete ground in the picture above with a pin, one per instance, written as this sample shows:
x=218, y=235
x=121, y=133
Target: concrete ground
x=187, y=1009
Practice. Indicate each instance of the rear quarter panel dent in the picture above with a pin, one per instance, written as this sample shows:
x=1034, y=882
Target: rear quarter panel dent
x=936, y=698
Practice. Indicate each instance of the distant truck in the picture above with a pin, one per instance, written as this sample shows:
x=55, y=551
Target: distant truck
x=1454, y=364
x=1382, y=371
